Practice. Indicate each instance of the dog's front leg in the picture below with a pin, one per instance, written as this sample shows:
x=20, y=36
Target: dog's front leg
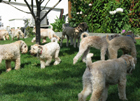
x=17, y=63
x=67, y=41
x=74, y=41
x=42, y=62
x=71, y=41
x=49, y=59
x=4, y=38
x=78, y=42
x=122, y=89
x=8, y=65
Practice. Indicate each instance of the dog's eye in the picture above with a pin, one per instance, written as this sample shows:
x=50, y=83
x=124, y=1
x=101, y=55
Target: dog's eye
x=24, y=46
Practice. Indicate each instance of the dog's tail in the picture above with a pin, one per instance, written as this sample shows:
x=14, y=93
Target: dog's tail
x=88, y=60
x=107, y=39
x=54, y=39
x=51, y=27
x=84, y=34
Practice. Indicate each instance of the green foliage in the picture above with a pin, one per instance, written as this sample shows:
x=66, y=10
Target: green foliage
x=100, y=20
x=29, y=31
x=57, y=25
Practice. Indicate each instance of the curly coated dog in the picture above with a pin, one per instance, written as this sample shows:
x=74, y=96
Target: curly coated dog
x=97, y=42
x=16, y=33
x=4, y=34
x=125, y=43
x=11, y=52
x=99, y=75
x=44, y=33
x=46, y=52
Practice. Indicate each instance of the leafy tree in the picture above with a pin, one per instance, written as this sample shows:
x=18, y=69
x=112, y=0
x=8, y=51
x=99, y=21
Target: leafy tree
x=36, y=16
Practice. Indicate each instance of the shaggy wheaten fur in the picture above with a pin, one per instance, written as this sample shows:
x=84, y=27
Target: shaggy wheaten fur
x=125, y=43
x=131, y=34
x=4, y=34
x=99, y=75
x=16, y=33
x=46, y=52
x=11, y=52
x=97, y=42
x=44, y=33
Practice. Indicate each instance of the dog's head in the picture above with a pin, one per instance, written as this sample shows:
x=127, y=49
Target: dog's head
x=130, y=61
x=36, y=50
x=83, y=26
x=131, y=34
x=23, y=47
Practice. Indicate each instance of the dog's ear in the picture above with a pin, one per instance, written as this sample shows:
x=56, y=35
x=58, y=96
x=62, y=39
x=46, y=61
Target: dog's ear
x=40, y=47
x=132, y=63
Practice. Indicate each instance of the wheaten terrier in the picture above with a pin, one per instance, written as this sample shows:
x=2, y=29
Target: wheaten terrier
x=47, y=52
x=97, y=42
x=11, y=52
x=44, y=33
x=4, y=34
x=125, y=43
x=99, y=75
x=16, y=33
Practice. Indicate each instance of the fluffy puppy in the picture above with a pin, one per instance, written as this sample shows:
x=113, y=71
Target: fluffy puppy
x=4, y=34
x=125, y=43
x=46, y=52
x=44, y=33
x=16, y=33
x=97, y=42
x=99, y=75
x=11, y=52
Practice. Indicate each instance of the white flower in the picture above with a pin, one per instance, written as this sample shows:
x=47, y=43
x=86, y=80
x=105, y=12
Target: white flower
x=77, y=12
x=119, y=10
x=81, y=12
x=90, y=4
x=112, y=12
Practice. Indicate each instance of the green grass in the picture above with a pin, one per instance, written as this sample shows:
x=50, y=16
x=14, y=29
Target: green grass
x=56, y=83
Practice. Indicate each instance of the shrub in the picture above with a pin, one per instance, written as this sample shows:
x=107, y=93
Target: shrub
x=100, y=20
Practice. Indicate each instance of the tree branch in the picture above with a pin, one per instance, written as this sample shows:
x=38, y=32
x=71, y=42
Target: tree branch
x=16, y=7
x=45, y=5
x=42, y=1
x=31, y=10
x=50, y=10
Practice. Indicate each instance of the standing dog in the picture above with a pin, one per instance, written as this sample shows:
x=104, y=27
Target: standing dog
x=47, y=52
x=16, y=33
x=11, y=52
x=44, y=33
x=4, y=34
x=97, y=42
x=73, y=33
x=124, y=43
x=99, y=75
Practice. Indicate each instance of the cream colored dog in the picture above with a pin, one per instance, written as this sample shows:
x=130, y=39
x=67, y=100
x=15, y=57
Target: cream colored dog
x=4, y=34
x=16, y=33
x=44, y=33
x=99, y=75
x=11, y=52
x=47, y=52
x=98, y=42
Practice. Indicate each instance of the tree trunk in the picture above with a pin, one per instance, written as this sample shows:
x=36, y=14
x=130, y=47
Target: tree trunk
x=37, y=24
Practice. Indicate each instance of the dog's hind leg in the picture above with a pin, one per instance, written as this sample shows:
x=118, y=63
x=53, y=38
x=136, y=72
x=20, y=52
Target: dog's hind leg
x=71, y=41
x=57, y=59
x=87, y=88
x=74, y=41
x=104, y=94
x=63, y=36
x=85, y=54
x=8, y=65
x=122, y=89
x=112, y=53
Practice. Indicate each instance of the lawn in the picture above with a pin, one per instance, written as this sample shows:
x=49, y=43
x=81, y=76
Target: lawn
x=56, y=83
